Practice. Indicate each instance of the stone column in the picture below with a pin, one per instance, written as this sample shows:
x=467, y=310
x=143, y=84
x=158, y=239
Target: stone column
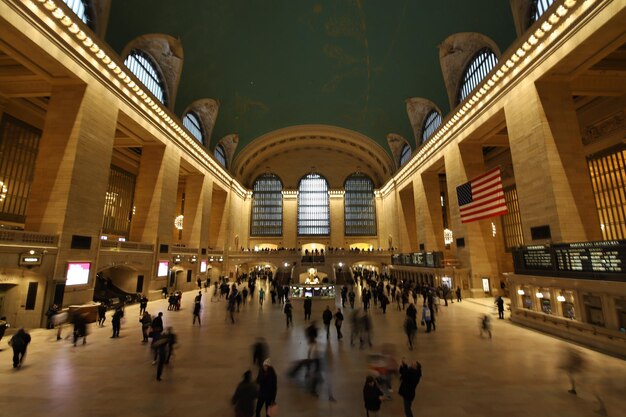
x=290, y=219
x=72, y=174
x=155, y=195
x=552, y=178
x=195, y=192
x=428, y=211
x=337, y=221
x=462, y=164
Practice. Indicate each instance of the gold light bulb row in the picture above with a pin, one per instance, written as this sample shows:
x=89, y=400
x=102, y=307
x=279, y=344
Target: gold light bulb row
x=74, y=29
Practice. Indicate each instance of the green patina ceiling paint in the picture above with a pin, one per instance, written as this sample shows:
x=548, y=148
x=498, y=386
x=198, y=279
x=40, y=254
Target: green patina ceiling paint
x=279, y=63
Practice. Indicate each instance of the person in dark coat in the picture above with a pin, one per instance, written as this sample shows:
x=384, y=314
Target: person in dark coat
x=244, y=396
x=268, y=386
x=102, y=311
x=372, y=396
x=260, y=352
x=410, y=376
x=157, y=325
x=327, y=318
x=308, y=305
x=19, y=342
x=116, y=322
x=288, y=310
x=338, y=323
x=143, y=304
x=80, y=327
x=500, y=303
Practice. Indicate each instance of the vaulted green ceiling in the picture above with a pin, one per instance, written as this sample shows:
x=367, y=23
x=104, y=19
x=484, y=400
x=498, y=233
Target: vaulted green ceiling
x=278, y=63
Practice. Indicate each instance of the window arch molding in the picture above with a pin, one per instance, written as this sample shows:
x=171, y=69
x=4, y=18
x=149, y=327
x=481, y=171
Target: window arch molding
x=166, y=53
x=313, y=206
x=359, y=206
x=432, y=121
x=145, y=68
x=194, y=125
x=475, y=72
x=405, y=154
x=455, y=54
x=267, y=206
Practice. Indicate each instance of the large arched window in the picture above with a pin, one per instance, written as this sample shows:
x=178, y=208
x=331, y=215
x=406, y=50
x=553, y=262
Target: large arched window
x=313, y=206
x=359, y=206
x=220, y=154
x=405, y=155
x=483, y=62
x=267, y=206
x=193, y=125
x=538, y=8
x=140, y=64
x=431, y=124
x=79, y=7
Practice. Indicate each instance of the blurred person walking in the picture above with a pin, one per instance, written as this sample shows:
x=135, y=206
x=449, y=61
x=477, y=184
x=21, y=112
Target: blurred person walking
x=244, y=397
x=372, y=397
x=410, y=376
x=268, y=387
x=19, y=342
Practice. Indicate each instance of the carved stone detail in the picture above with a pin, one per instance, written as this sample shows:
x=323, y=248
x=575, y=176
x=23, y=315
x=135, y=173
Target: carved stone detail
x=604, y=128
x=167, y=53
x=396, y=143
x=229, y=142
x=207, y=110
x=455, y=52
x=417, y=109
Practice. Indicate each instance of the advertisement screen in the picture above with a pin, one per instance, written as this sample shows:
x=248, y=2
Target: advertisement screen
x=77, y=273
x=202, y=266
x=164, y=269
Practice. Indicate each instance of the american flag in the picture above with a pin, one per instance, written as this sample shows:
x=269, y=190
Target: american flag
x=482, y=197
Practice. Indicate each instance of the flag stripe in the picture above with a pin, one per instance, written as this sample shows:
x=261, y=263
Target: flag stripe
x=486, y=204
x=482, y=197
x=491, y=213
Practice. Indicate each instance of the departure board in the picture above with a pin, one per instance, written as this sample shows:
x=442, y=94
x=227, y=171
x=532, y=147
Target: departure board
x=537, y=257
x=605, y=257
x=593, y=260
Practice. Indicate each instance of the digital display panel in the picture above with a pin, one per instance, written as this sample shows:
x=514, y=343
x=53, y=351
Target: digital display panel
x=77, y=273
x=164, y=269
x=202, y=266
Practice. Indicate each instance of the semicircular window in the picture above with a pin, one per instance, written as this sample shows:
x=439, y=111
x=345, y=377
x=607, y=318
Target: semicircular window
x=220, y=155
x=193, y=125
x=79, y=7
x=478, y=68
x=313, y=206
x=538, y=8
x=144, y=68
x=359, y=206
x=431, y=124
x=267, y=206
x=405, y=155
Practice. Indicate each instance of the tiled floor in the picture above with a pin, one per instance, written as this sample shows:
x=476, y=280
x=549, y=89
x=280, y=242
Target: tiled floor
x=514, y=374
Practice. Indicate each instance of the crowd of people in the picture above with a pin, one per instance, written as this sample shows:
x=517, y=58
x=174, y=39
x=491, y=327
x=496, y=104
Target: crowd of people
x=419, y=304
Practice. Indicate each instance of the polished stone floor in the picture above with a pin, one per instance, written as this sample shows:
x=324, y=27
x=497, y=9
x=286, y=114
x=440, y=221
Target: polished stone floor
x=514, y=374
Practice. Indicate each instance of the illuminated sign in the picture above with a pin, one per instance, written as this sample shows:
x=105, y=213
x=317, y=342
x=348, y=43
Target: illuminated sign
x=28, y=259
x=202, y=266
x=77, y=273
x=164, y=269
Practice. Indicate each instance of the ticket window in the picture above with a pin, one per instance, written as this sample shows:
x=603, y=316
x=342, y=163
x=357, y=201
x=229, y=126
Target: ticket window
x=566, y=302
x=593, y=310
x=620, y=306
x=545, y=301
x=526, y=298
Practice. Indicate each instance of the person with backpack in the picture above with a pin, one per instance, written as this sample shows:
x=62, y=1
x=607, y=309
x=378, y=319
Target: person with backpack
x=19, y=342
x=410, y=376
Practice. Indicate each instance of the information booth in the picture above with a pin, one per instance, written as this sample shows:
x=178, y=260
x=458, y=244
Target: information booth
x=321, y=291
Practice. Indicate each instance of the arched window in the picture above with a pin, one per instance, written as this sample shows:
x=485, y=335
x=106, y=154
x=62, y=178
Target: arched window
x=220, y=154
x=267, y=206
x=140, y=64
x=405, y=155
x=431, y=124
x=79, y=7
x=476, y=71
x=538, y=8
x=359, y=206
x=193, y=125
x=313, y=206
